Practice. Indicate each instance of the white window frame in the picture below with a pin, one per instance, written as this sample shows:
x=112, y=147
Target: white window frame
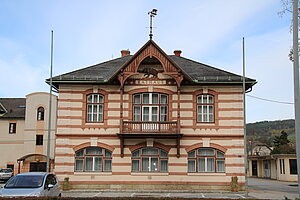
x=95, y=108
x=203, y=108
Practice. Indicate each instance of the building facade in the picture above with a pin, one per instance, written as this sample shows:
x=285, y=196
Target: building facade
x=282, y=167
x=150, y=121
x=23, y=132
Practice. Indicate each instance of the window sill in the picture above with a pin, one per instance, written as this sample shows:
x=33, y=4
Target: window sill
x=206, y=174
x=149, y=173
x=92, y=173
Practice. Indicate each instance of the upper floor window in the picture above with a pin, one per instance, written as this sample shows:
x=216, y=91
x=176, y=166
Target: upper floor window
x=205, y=108
x=95, y=107
x=40, y=114
x=150, y=107
x=12, y=128
x=93, y=159
x=206, y=160
x=39, y=140
x=149, y=159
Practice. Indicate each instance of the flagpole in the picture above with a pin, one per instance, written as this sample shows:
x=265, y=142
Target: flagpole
x=245, y=133
x=50, y=106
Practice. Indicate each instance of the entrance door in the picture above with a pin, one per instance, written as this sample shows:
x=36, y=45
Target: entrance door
x=38, y=167
x=254, y=167
x=150, y=114
x=267, y=169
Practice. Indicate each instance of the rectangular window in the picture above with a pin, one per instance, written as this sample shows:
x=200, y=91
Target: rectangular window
x=135, y=165
x=205, y=108
x=79, y=165
x=280, y=166
x=283, y=166
x=164, y=165
x=12, y=128
x=107, y=165
x=192, y=166
x=39, y=140
x=220, y=166
x=293, y=166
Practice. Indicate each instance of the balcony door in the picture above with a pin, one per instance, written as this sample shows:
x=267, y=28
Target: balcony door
x=150, y=114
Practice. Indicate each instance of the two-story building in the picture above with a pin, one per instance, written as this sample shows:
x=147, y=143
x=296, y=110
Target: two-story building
x=150, y=121
x=23, y=132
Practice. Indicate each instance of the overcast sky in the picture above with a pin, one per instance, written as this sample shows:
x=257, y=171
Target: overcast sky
x=93, y=31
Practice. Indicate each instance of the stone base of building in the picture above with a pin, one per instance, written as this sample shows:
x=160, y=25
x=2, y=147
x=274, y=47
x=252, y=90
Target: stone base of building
x=153, y=187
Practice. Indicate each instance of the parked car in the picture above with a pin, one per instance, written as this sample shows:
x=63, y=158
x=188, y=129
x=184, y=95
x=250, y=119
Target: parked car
x=5, y=174
x=31, y=184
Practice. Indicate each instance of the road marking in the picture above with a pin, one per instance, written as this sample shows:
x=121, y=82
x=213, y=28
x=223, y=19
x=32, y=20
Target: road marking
x=169, y=195
x=97, y=194
x=241, y=196
x=132, y=194
x=202, y=195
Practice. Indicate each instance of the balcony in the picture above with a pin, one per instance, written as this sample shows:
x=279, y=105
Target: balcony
x=149, y=129
x=141, y=127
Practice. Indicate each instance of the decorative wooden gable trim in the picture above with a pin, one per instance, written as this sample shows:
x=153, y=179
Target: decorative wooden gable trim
x=151, y=49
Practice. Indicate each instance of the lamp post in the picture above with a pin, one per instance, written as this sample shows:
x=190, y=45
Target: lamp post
x=152, y=14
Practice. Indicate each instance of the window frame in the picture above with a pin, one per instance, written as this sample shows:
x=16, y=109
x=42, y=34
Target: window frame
x=293, y=166
x=12, y=128
x=99, y=111
x=39, y=140
x=159, y=105
x=103, y=157
x=150, y=157
x=196, y=159
x=206, y=105
x=40, y=113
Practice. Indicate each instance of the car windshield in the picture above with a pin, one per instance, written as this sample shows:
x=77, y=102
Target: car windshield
x=5, y=170
x=25, y=181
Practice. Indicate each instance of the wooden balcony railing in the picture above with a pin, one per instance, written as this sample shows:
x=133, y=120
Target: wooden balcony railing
x=150, y=127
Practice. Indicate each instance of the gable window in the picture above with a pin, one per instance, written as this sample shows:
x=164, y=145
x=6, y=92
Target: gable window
x=205, y=108
x=93, y=159
x=40, y=114
x=39, y=140
x=95, y=107
x=149, y=159
x=12, y=128
x=150, y=107
x=206, y=160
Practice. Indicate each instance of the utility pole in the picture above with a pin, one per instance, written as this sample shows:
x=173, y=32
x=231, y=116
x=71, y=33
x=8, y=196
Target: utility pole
x=50, y=106
x=296, y=86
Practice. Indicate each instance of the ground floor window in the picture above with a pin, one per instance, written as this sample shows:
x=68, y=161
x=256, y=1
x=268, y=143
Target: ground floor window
x=93, y=159
x=149, y=159
x=293, y=166
x=206, y=160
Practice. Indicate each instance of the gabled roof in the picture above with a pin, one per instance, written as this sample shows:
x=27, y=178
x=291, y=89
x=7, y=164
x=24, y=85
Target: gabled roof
x=13, y=107
x=195, y=72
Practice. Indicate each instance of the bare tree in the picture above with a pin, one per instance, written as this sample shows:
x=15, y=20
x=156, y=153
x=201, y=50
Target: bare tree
x=287, y=8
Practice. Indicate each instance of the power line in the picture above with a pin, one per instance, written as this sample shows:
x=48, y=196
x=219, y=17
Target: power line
x=270, y=100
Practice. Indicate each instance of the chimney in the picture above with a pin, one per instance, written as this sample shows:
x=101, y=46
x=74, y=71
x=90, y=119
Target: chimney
x=125, y=53
x=177, y=52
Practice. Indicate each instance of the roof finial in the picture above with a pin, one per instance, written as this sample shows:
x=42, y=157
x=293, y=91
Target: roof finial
x=152, y=14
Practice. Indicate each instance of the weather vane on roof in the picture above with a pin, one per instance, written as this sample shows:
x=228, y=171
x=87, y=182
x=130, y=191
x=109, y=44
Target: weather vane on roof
x=152, y=13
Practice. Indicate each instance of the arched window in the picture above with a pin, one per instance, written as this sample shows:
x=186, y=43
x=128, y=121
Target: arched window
x=93, y=159
x=206, y=160
x=40, y=114
x=205, y=108
x=150, y=107
x=95, y=107
x=149, y=159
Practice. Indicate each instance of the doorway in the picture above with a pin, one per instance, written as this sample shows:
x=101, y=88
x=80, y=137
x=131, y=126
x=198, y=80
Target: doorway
x=254, y=167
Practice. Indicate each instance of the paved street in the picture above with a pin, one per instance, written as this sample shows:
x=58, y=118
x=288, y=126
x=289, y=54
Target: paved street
x=258, y=188
x=272, y=189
